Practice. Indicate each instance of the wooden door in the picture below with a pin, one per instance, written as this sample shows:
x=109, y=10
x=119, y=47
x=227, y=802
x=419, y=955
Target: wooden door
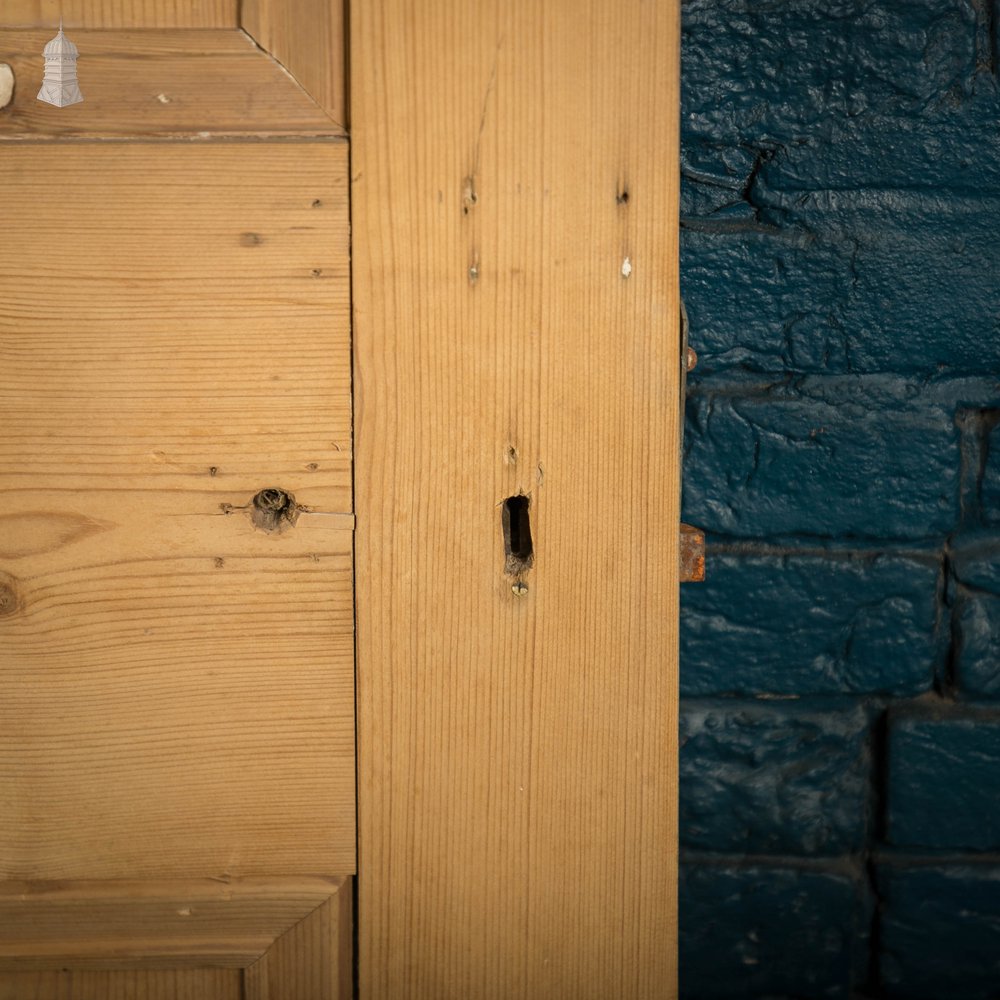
x=176, y=521
x=180, y=570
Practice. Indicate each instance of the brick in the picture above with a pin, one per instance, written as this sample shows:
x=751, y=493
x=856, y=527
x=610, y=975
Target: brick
x=771, y=70
x=940, y=932
x=975, y=565
x=868, y=457
x=765, y=299
x=816, y=76
x=944, y=780
x=949, y=145
x=763, y=779
x=760, y=932
x=990, y=485
x=977, y=647
x=836, y=160
x=845, y=281
x=904, y=248
x=805, y=624
x=975, y=561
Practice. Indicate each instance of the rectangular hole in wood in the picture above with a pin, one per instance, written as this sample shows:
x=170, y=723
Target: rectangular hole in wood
x=517, y=535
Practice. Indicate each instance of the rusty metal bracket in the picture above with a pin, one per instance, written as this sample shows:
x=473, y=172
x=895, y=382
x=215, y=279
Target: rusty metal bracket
x=692, y=554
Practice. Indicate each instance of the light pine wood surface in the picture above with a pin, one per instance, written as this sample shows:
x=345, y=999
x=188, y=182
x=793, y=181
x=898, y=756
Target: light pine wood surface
x=515, y=185
x=167, y=984
x=176, y=691
x=159, y=84
x=307, y=38
x=150, y=924
x=313, y=960
x=120, y=13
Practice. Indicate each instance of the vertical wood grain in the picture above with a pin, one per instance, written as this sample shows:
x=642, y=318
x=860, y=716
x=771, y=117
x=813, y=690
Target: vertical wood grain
x=307, y=38
x=169, y=984
x=312, y=960
x=515, y=176
x=120, y=13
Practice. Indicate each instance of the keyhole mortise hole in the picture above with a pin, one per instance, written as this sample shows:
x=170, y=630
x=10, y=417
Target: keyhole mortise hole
x=518, y=551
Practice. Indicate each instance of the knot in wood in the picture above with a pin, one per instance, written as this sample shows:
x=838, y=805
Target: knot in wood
x=273, y=510
x=8, y=597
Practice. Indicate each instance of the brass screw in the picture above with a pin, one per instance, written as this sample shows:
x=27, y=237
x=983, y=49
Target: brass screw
x=692, y=359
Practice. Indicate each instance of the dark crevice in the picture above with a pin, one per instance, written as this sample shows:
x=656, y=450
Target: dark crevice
x=873, y=980
x=518, y=548
x=880, y=775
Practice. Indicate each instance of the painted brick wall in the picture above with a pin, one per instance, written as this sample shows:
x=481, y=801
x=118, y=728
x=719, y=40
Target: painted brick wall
x=840, y=758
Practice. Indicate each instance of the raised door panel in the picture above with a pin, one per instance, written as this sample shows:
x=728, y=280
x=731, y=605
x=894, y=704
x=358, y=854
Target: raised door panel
x=176, y=685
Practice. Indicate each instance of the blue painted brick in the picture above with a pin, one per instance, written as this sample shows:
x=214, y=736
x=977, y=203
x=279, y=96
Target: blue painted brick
x=944, y=780
x=754, y=932
x=760, y=779
x=940, y=933
x=975, y=561
x=766, y=299
x=952, y=146
x=871, y=457
x=977, y=645
x=841, y=164
x=850, y=93
x=923, y=290
x=775, y=71
x=835, y=160
x=845, y=281
x=990, y=486
x=803, y=624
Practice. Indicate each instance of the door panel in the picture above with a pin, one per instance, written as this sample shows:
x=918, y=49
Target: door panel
x=176, y=526
x=176, y=698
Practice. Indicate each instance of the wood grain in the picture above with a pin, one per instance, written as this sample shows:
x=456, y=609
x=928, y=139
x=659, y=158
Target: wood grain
x=515, y=176
x=120, y=13
x=160, y=84
x=307, y=38
x=129, y=924
x=176, y=691
x=181, y=984
x=312, y=960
